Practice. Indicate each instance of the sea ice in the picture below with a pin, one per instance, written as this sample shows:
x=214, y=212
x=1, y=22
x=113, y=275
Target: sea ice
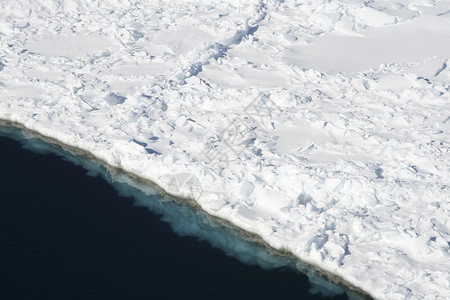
x=322, y=126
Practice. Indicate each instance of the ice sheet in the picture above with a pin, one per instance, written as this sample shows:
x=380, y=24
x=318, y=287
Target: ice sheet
x=321, y=126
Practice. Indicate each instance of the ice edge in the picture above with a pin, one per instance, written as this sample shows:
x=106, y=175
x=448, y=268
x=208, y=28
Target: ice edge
x=246, y=235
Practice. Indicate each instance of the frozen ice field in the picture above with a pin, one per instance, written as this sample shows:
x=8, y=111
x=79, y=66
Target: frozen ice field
x=321, y=126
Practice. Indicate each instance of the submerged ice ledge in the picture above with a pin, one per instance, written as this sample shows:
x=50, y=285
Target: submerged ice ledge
x=183, y=215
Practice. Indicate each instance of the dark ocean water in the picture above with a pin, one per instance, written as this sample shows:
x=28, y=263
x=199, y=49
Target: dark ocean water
x=66, y=235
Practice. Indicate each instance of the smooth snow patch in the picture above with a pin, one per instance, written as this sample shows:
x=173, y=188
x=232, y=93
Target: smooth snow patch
x=333, y=53
x=68, y=46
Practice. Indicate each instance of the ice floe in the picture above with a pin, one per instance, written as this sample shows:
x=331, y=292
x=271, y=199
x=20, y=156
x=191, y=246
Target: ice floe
x=321, y=126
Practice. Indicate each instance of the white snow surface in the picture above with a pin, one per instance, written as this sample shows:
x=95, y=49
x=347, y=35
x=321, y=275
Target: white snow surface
x=322, y=126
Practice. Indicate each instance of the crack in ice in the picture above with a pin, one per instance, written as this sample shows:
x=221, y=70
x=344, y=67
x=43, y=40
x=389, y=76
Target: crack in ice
x=219, y=49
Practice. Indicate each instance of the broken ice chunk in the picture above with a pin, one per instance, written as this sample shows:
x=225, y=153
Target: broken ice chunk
x=114, y=99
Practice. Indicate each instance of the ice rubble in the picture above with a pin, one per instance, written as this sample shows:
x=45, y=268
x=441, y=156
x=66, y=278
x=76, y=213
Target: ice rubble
x=321, y=126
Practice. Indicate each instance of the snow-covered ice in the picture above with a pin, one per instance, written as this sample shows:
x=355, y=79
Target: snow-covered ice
x=321, y=126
